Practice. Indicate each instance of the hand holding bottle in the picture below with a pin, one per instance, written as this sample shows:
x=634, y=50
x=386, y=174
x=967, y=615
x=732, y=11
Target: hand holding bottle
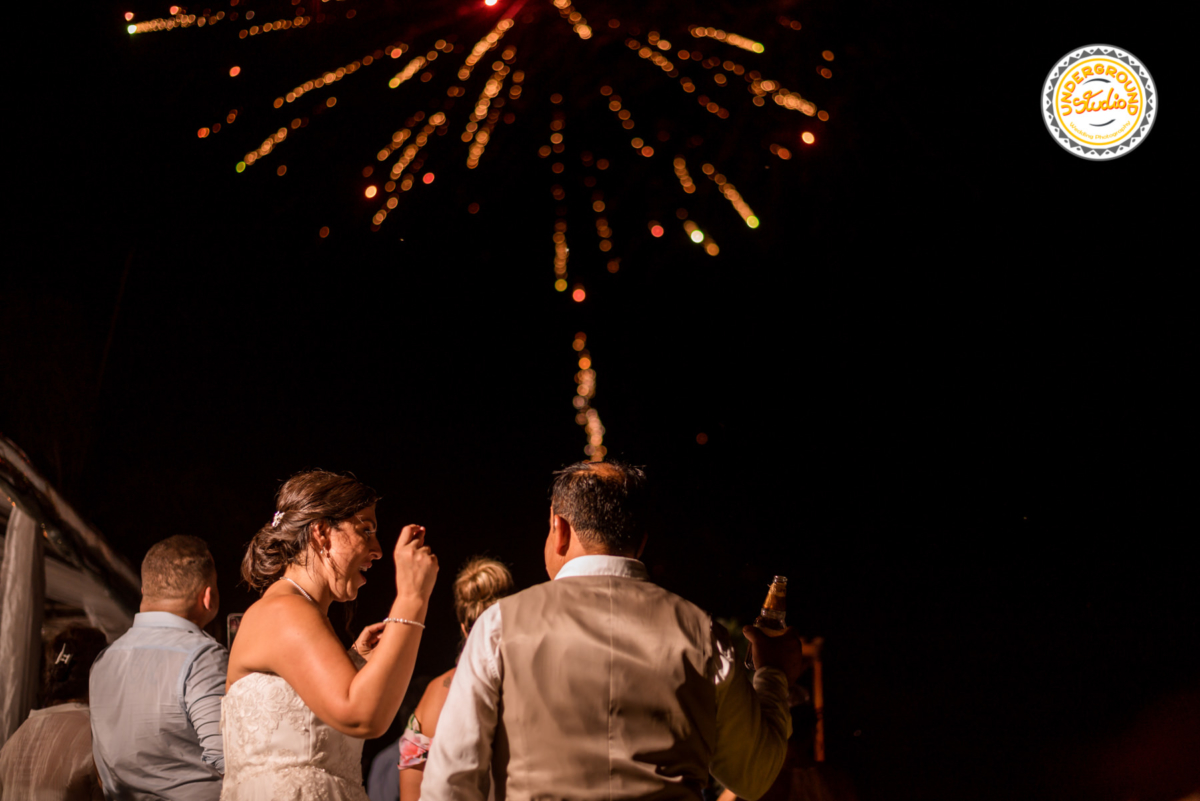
x=772, y=619
x=784, y=652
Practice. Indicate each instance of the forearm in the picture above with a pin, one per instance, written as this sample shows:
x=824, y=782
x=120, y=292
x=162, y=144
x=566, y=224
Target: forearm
x=203, y=691
x=410, y=783
x=753, y=726
x=206, y=717
x=378, y=689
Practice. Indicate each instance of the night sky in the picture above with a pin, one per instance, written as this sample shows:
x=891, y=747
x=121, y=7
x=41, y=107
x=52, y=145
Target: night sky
x=947, y=387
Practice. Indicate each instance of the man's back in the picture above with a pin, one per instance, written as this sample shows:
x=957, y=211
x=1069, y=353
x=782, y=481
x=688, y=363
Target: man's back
x=607, y=691
x=155, y=705
x=600, y=685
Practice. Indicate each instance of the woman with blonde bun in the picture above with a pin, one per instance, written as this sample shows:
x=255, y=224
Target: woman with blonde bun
x=481, y=583
x=297, y=705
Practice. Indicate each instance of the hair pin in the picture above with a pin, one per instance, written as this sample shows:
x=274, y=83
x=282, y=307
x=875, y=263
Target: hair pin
x=64, y=658
x=275, y=520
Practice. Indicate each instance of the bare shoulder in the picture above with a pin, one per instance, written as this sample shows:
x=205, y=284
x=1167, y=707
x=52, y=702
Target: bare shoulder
x=430, y=708
x=269, y=627
x=280, y=616
x=438, y=689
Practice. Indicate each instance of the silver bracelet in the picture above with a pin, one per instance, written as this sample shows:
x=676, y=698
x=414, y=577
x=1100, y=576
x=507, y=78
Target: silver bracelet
x=404, y=621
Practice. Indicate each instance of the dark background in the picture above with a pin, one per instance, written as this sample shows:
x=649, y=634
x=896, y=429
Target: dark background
x=944, y=385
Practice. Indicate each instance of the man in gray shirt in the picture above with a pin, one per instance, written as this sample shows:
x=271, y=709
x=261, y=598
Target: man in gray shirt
x=156, y=692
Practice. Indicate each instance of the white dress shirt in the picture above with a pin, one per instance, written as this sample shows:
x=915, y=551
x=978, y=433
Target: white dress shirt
x=461, y=754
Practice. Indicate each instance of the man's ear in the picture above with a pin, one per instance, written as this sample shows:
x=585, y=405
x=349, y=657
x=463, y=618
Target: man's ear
x=642, y=547
x=561, y=533
x=207, y=598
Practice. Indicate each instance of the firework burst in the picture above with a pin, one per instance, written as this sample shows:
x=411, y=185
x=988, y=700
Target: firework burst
x=620, y=109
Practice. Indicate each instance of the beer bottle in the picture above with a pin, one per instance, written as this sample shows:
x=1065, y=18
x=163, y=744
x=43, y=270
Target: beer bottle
x=772, y=620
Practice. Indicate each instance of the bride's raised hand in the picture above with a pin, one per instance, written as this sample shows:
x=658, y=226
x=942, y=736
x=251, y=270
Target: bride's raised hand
x=369, y=638
x=416, y=565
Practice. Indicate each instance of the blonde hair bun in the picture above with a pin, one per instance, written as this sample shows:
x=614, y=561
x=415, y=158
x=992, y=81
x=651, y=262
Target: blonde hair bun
x=480, y=583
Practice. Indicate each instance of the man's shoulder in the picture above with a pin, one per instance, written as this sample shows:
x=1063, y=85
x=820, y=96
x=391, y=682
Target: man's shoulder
x=644, y=590
x=99, y=664
x=181, y=641
x=528, y=592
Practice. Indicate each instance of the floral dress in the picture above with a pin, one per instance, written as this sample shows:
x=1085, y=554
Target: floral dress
x=414, y=746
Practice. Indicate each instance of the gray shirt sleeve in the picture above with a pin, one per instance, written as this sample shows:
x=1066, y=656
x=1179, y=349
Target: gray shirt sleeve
x=203, y=690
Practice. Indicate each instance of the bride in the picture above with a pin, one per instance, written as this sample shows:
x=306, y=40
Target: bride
x=297, y=706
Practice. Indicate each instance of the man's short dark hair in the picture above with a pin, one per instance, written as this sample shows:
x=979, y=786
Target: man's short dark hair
x=604, y=502
x=179, y=567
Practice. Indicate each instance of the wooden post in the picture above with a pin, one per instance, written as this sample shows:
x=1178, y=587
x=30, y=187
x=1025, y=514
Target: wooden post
x=812, y=649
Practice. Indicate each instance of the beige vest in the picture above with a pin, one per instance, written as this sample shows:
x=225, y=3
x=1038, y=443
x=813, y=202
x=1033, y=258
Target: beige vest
x=604, y=693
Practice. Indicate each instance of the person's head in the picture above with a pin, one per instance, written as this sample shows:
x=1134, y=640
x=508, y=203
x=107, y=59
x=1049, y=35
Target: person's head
x=68, y=659
x=479, y=584
x=179, y=576
x=595, y=508
x=325, y=523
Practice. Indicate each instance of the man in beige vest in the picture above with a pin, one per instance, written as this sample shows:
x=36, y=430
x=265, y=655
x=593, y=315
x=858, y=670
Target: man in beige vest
x=601, y=685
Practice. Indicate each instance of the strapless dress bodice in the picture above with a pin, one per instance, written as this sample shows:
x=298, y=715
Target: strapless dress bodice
x=276, y=749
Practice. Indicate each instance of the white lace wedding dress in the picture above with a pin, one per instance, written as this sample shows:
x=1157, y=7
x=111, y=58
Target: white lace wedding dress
x=276, y=749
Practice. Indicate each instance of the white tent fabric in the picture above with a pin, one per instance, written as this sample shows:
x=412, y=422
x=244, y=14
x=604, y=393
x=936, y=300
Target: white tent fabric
x=72, y=587
x=81, y=590
x=11, y=454
x=90, y=576
x=22, y=594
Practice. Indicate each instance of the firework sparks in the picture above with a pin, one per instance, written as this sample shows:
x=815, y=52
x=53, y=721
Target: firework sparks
x=578, y=23
x=561, y=251
x=410, y=69
x=483, y=46
x=277, y=25
x=602, y=229
x=681, y=172
x=486, y=88
x=482, y=121
x=177, y=20
x=585, y=390
x=731, y=194
x=480, y=125
x=700, y=238
x=731, y=38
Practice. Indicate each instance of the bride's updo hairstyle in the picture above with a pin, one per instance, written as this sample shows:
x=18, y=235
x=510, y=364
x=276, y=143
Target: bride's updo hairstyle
x=314, y=496
x=479, y=584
